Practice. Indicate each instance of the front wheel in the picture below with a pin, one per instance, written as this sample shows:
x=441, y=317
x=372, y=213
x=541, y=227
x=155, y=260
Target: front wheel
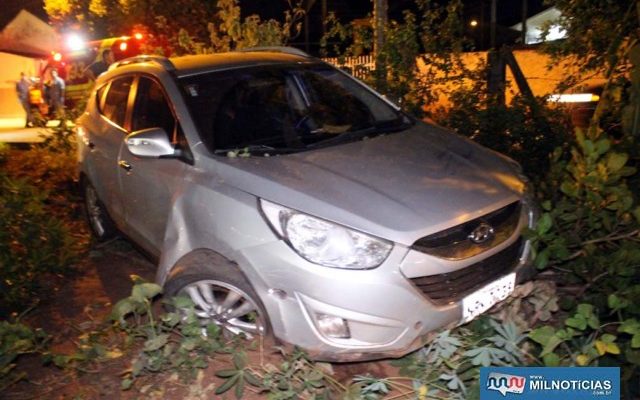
x=222, y=297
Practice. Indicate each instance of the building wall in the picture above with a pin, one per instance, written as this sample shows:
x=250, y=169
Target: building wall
x=542, y=76
x=10, y=67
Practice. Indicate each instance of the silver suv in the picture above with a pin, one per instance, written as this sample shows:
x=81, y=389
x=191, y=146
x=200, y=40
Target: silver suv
x=288, y=199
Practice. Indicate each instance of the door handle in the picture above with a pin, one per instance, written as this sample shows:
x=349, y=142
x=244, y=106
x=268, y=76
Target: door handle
x=123, y=164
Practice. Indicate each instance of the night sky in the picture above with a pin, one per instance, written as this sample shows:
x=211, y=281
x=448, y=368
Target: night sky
x=509, y=11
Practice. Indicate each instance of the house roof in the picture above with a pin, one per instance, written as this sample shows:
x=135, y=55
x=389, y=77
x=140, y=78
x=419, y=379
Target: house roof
x=28, y=35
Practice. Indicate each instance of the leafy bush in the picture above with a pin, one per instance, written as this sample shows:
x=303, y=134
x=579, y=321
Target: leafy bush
x=33, y=243
x=591, y=231
x=60, y=139
x=432, y=37
x=4, y=152
x=590, y=234
x=526, y=133
x=172, y=341
x=17, y=339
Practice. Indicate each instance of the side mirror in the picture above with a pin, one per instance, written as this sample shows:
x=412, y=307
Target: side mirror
x=151, y=142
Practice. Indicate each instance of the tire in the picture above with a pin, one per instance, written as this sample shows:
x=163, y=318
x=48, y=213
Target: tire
x=101, y=225
x=222, y=296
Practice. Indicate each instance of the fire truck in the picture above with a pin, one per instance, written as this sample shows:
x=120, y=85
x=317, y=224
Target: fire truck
x=72, y=64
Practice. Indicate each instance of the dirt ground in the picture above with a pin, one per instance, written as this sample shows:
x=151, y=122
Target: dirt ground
x=83, y=301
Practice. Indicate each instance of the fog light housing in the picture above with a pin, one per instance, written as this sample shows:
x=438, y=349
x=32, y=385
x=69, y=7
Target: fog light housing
x=332, y=326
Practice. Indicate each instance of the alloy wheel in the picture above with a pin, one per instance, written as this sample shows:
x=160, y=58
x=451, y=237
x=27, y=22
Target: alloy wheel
x=226, y=306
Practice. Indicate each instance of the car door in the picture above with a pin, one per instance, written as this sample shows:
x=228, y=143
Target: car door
x=150, y=185
x=106, y=135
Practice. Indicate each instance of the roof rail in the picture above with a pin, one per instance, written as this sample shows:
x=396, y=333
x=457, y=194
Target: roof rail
x=278, y=49
x=163, y=61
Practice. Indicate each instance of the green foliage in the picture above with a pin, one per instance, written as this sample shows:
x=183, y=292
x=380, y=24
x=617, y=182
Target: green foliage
x=60, y=139
x=232, y=32
x=396, y=74
x=590, y=229
x=295, y=377
x=433, y=38
x=105, y=18
x=298, y=377
x=17, y=339
x=450, y=364
x=173, y=341
x=33, y=243
x=93, y=346
x=591, y=36
x=511, y=129
x=224, y=30
x=177, y=27
x=585, y=340
x=4, y=152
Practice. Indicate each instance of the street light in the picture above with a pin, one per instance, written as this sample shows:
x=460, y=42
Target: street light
x=75, y=42
x=473, y=23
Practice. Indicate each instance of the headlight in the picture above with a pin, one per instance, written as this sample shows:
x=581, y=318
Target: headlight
x=323, y=242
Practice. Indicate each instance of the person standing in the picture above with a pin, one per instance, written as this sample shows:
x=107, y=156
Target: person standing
x=100, y=66
x=56, y=94
x=22, y=89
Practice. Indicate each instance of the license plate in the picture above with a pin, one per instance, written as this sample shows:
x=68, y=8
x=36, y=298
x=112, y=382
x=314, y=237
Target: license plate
x=483, y=299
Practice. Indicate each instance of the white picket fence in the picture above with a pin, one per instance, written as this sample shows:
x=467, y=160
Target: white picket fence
x=360, y=67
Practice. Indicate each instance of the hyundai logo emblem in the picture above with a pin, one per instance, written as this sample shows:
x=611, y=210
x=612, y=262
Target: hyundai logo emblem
x=481, y=233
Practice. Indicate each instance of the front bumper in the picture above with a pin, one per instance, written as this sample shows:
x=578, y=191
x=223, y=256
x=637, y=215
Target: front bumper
x=387, y=315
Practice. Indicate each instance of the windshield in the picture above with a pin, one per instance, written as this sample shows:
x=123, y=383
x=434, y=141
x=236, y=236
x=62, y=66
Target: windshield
x=281, y=109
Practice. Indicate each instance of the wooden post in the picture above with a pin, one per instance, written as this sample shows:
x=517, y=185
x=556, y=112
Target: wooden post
x=524, y=22
x=379, y=22
x=523, y=85
x=496, y=78
x=483, y=28
x=307, y=9
x=494, y=12
x=380, y=8
x=519, y=77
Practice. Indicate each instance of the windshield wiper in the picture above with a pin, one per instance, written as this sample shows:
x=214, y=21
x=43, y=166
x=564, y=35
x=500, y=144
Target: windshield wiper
x=377, y=129
x=255, y=148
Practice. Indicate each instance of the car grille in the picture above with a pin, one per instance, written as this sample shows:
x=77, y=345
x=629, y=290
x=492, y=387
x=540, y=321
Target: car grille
x=452, y=286
x=454, y=243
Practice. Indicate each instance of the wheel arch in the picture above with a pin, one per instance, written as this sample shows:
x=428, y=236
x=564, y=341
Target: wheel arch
x=200, y=260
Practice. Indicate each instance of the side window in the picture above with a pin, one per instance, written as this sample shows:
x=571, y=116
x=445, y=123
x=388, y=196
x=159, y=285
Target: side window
x=100, y=97
x=115, y=104
x=151, y=109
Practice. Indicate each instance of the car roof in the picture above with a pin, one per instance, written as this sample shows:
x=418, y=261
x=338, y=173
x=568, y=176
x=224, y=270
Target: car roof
x=201, y=63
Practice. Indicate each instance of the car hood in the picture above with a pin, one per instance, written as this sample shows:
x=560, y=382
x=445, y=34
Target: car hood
x=399, y=186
